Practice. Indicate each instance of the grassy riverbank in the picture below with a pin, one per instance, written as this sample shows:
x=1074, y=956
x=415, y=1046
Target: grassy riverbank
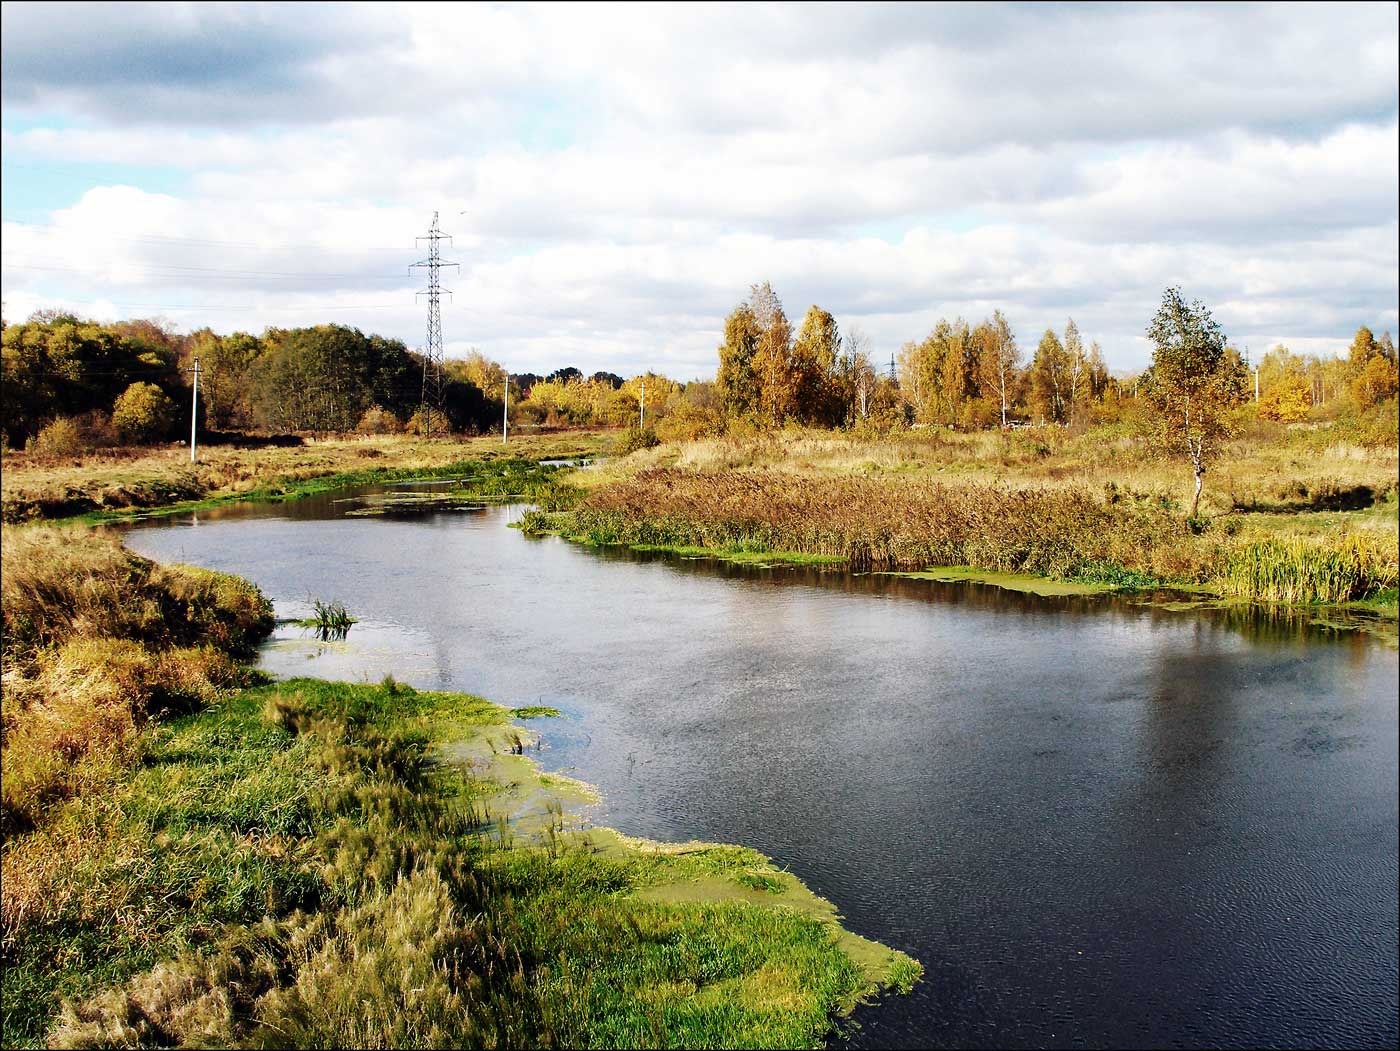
x=1295, y=516
x=119, y=482
x=1062, y=534
x=205, y=860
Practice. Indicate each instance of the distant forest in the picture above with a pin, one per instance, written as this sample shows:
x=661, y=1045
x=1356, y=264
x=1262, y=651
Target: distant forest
x=101, y=384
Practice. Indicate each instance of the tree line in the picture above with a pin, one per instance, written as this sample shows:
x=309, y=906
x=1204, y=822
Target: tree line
x=320, y=378
x=129, y=381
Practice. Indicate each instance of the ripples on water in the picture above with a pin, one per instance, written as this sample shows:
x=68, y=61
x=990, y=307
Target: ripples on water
x=1096, y=823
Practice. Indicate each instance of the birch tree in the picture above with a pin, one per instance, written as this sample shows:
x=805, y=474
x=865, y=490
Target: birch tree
x=772, y=360
x=1194, y=381
x=1000, y=358
x=1076, y=386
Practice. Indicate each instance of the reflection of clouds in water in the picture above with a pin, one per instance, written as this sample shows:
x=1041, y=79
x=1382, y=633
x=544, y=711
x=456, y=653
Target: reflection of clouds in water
x=369, y=652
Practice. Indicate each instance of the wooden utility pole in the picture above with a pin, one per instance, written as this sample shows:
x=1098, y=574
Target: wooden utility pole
x=505, y=413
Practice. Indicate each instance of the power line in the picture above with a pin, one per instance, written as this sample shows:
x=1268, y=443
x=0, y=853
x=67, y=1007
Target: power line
x=167, y=239
x=195, y=269
x=257, y=307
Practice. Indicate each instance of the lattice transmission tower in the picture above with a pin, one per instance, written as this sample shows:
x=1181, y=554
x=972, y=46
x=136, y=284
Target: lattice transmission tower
x=430, y=408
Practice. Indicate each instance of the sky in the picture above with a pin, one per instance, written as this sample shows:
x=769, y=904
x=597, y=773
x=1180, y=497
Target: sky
x=615, y=178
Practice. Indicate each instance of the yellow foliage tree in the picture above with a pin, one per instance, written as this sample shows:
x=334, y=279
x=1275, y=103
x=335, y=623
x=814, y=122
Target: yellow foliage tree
x=1288, y=400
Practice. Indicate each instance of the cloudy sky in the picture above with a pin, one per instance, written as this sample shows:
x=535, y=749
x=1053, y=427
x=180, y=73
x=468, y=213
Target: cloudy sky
x=616, y=177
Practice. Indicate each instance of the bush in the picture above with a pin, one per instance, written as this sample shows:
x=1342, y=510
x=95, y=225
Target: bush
x=978, y=414
x=1373, y=427
x=418, y=424
x=1288, y=401
x=688, y=423
x=60, y=437
x=377, y=420
x=634, y=438
x=143, y=413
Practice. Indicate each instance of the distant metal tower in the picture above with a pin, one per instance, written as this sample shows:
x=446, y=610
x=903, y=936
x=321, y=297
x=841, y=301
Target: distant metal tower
x=431, y=404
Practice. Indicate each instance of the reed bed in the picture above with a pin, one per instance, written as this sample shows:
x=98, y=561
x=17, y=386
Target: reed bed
x=1302, y=569
x=1119, y=538
x=880, y=525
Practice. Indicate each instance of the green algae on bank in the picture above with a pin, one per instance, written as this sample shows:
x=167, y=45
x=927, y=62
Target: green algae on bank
x=742, y=555
x=535, y=711
x=1022, y=582
x=537, y=523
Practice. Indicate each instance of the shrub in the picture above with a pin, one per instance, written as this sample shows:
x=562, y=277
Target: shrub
x=634, y=438
x=378, y=420
x=60, y=437
x=688, y=423
x=418, y=424
x=143, y=413
x=1288, y=401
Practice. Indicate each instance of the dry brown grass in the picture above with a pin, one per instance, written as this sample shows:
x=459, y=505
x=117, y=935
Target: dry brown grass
x=1271, y=467
x=1116, y=536
x=907, y=524
x=96, y=641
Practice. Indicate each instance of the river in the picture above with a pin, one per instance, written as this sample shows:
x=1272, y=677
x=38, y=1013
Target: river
x=1096, y=822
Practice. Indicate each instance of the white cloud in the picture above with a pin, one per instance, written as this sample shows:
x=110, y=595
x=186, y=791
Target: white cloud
x=626, y=173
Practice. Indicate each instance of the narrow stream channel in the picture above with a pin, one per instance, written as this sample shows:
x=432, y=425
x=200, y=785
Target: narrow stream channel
x=1097, y=824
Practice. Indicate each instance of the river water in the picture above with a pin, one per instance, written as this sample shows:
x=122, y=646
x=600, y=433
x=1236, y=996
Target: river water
x=1096, y=823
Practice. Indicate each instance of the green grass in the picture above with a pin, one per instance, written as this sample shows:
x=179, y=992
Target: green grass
x=305, y=863
x=746, y=553
x=1021, y=582
x=1305, y=570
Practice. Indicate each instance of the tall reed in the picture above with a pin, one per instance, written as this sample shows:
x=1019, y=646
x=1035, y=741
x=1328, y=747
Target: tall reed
x=1297, y=569
x=877, y=525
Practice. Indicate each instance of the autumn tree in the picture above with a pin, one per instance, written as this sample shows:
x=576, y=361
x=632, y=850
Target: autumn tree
x=1194, y=380
x=999, y=359
x=772, y=359
x=1050, y=378
x=143, y=413
x=920, y=367
x=959, y=368
x=225, y=385
x=1077, y=369
x=1098, y=373
x=737, y=383
x=814, y=360
x=1372, y=367
x=1286, y=388
x=860, y=374
x=58, y=365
